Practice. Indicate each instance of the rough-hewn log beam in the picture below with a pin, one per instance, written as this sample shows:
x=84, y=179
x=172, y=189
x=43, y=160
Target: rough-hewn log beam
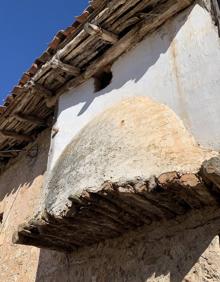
x=57, y=76
x=16, y=136
x=215, y=5
x=30, y=118
x=41, y=90
x=8, y=154
x=57, y=64
x=105, y=35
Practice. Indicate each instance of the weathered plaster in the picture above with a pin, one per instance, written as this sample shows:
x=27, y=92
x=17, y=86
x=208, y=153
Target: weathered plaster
x=179, y=250
x=176, y=65
x=135, y=138
x=20, y=195
x=176, y=72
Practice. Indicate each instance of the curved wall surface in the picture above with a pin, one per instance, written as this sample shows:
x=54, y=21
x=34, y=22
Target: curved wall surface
x=135, y=138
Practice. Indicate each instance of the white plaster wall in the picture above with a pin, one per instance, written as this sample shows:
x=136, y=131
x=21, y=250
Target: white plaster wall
x=178, y=65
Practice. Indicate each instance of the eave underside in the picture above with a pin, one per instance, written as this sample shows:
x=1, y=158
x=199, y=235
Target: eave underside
x=121, y=207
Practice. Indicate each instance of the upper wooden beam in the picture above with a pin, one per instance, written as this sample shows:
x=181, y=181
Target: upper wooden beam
x=33, y=86
x=57, y=76
x=15, y=135
x=30, y=118
x=8, y=154
x=105, y=35
x=57, y=64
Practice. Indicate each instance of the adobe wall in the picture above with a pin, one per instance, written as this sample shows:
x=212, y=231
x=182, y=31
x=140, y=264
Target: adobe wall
x=20, y=196
x=181, y=250
x=186, y=249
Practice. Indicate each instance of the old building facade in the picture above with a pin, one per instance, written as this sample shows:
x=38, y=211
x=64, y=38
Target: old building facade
x=110, y=149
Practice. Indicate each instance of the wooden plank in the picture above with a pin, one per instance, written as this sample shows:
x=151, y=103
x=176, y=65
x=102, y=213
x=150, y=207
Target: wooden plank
x=8, y=154
x=41, y=90
x=105, y=35
x=57, y=64
x=16, y=136
x=30, y=118
x=215, y=4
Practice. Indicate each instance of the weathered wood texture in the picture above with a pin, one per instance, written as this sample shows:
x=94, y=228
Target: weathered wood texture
x=215, y=7
x=100, y=35
x=123, y=206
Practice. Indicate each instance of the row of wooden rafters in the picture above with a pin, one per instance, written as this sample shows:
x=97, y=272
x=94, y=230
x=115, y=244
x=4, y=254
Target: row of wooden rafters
x=110, y=32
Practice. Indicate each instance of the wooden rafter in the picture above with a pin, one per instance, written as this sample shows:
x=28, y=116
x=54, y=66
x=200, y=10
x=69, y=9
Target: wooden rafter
x=57, y=64
x=105, y=35
x=41, y=90
x=136, y=34
x=16, y=136
x=30, y=118
x=132, y=19
x=8, y=154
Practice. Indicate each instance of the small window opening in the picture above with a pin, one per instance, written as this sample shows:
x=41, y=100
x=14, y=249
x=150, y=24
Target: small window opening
x=103, y=79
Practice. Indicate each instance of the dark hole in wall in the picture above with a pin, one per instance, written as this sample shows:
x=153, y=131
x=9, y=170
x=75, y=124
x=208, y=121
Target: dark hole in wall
x=102, y=79
x=1, y=217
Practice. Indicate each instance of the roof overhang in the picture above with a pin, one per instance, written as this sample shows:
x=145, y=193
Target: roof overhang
x=105, y=31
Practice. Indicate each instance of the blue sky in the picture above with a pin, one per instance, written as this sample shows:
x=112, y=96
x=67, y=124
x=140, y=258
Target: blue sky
x=26, y=28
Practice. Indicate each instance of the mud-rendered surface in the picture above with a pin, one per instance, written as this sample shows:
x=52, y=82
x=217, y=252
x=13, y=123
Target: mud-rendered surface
x=135, y=138
x=21, y=189
x=132, y=166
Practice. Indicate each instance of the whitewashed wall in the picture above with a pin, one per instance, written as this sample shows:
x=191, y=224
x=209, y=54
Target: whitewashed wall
x=178, y=65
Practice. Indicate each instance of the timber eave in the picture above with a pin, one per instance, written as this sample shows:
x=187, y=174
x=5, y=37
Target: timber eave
x=104, y=32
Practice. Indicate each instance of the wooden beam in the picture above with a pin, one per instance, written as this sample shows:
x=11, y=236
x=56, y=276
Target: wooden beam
x=30, y=118
x=8, y=154
x=80, y=41
x=164, y=11
x=41, y=90
x=57, y=64
x=105, y=35
x=15, y=135
x=57, y=76
x=215, y=7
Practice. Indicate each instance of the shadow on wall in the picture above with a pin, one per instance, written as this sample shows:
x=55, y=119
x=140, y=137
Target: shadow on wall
x=139, y=64
x=167, y=253
x=27, y=168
